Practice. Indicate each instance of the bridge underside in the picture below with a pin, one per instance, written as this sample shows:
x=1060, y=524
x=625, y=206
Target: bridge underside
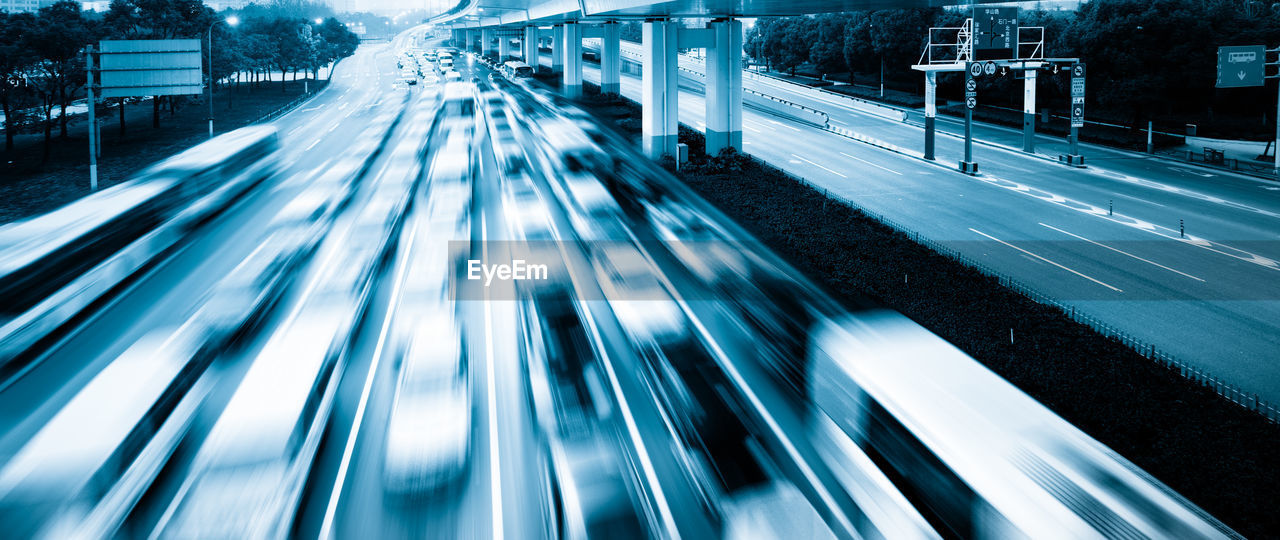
x=474, y=13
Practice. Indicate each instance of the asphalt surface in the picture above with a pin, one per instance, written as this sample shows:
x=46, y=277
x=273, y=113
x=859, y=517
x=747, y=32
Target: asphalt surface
x=1106, y=240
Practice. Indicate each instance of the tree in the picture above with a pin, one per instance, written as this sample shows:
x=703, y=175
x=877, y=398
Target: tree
x=15, y=61
x=827, y=50
x=335, y=42
x=158, y=19
x=57, y=39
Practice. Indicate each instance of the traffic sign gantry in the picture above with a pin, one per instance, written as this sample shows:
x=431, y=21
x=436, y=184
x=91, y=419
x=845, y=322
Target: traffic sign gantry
x=1240, y=67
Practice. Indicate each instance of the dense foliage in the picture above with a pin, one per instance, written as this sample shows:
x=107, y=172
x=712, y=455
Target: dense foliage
x=1147, y=58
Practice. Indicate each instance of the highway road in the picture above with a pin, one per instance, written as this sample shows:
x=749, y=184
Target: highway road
x=318, y=359
x=1105, y=240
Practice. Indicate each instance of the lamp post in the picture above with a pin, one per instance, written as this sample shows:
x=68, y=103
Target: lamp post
x=231, y=21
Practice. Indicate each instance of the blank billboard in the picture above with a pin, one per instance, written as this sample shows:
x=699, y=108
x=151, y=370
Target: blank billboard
x=150, y=67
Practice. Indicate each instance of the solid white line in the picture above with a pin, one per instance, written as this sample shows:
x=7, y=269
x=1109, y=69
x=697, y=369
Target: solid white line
x=495, y=469
x=326, y=529
x=871, y=164
x=1122, y=252
x=777, y=123
x=819, y=166
x=1045, y=260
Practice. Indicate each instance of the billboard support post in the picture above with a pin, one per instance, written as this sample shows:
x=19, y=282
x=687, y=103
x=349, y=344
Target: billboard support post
x=210, y=79
x=93, y=122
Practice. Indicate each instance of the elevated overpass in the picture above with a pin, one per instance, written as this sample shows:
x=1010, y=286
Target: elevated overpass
x=490, y=26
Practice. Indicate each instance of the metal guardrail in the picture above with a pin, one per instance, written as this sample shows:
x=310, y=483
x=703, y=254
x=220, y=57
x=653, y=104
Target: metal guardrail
x=1147, y=350
x=283, y=110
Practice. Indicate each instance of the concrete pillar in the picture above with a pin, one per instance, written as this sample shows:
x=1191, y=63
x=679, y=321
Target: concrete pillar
x=611, y=59
x=930, y=110
x=658, y=88
x=1029, y=111
x=571, y=81
x=457, y=37
x=472, y=40
x=530, y=46
x=724, y=87
x=557, y=48
x=486, y=41
x=504, y=47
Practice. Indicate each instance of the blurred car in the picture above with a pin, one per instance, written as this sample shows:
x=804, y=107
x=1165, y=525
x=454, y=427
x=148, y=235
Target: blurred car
x=704, y=249
x=452, y=76
x=643, y=307
x=429, y=432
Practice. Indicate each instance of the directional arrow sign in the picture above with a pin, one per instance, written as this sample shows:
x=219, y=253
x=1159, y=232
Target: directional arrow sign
x=1240, y=67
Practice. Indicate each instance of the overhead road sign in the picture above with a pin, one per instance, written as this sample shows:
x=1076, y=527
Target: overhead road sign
x=150, y=67
x=1241, y=67
x=995, y=32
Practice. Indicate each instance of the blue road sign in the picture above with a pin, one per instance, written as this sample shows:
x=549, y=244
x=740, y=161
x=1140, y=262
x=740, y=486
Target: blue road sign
x=1240, y=67
x=995, y=32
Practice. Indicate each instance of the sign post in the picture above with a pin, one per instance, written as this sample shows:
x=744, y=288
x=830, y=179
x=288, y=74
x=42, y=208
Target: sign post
x=93, y=122
x=930, y=111
x=1077, y=114
x=1246, y=66
x=973, y=69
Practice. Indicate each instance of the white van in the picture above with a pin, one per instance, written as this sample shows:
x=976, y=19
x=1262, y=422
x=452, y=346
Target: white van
x=516, y=70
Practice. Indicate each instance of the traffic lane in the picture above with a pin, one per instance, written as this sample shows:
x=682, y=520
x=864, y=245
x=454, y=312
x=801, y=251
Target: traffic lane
x=1239, y=207
x=231, y=366
x=873, y=167
x=1250, y=281
x=178, y=285
x=913, y=197
x=1239, y=191
x=1229, y=201
x=1221, y=334
x=519, y=505
x=1203, y=180
x=368, y=354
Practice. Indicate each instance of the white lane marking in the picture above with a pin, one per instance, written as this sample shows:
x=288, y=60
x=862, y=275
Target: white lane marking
x=312, y=145
x=1129, y=221
x=326, y=529
x=777, y=123
x=881, y=167
x=749, y=128
x=819, y=166
x=1046, y=260
x=495, y=469
x=628, y=418
x=333, y=127
x=1099, y=244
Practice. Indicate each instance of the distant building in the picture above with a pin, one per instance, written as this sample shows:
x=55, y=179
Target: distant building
x=220, y=5
x=19, y=6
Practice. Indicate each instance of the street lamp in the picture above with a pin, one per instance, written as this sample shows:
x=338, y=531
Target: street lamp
x=231, y=21
x=319, y=20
